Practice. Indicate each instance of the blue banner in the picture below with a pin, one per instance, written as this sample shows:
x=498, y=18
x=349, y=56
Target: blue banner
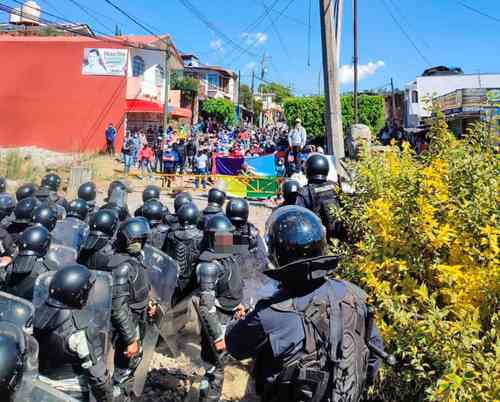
x=262, y=165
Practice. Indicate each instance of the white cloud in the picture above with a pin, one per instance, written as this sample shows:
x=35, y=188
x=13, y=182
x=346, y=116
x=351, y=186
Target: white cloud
x=217, y=45
x=256, y=39
x=364, y=70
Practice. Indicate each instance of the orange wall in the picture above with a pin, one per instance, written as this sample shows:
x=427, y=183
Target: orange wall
x=45, y=100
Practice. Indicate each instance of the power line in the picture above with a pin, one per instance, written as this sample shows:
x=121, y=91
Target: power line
x=278, y=34
x=288, y=17
x=475, y=10
x=87, y=12
x=401, y=28
x=199, y=15
x=404, y=17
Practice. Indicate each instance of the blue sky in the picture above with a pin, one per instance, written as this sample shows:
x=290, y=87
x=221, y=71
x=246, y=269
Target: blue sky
x=444, y=31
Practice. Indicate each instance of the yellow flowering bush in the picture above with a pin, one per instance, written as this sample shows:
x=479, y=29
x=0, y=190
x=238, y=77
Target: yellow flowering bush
x=424, y=233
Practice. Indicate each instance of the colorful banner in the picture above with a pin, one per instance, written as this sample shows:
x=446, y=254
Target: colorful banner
x=228, y=166
x=104, y=62
x=262, y=165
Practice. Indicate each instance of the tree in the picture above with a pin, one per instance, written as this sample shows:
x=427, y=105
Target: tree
x=311, y=109
x=246, y=96
x=221, y=110
x=279, y=90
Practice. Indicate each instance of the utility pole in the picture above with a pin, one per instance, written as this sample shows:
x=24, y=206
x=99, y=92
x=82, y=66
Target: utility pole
x=393, y=96
x=166, y=118
x=355, y=58
x=239, y=92
x=253, y=101
x=331, y=42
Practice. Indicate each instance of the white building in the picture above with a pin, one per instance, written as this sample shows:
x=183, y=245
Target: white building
x=425, y=87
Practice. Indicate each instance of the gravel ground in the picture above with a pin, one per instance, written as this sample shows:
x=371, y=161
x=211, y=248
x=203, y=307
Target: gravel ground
x=176, y=379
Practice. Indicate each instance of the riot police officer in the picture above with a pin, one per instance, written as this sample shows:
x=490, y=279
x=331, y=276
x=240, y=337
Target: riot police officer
x=301, y=334
x=46, y=216
x=3, y=185
x=320, y=195
x=220, y=298
x=20, y=276
x=71, y=349
x=88, y=192
x=151, y=192
x=290, y=190
x=152, y=210
x=183, y=245
x=48, y=191
x=130, y=299
x=216, y=199
x=25, y=191
x=7, y=245
x=97, y=249
x=117, y=200
x=170, y=219
x=73, y=230
x=23, y=213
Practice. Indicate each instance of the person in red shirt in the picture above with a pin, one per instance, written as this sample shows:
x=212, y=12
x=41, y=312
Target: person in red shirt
x=146, y=157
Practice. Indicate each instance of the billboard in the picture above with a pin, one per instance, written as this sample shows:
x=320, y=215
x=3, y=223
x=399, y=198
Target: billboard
x=98, y=61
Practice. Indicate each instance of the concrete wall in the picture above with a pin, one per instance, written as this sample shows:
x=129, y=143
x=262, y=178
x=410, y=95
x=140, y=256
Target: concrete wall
x=45, y=100
x=441, y=85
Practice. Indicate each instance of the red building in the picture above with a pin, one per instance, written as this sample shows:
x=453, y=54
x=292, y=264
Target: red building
x=59, y=93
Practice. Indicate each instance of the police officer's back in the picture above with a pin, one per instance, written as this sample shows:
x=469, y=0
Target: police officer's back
x=71, y=351
x=88, y=192
x=308, y=338
x=48, y=191
x=151, y=192
x=320, y=194
x=23, y=214
x=215, y=203
x=19, y=277
x=153, y=210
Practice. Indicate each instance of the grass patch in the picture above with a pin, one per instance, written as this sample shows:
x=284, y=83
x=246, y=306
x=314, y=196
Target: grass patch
x=15, y=166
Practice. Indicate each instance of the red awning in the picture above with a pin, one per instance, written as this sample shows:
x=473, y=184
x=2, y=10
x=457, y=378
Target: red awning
x=143, y=106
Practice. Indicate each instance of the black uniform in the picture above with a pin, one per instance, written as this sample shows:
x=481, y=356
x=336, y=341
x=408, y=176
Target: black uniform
x=7, y=245
x=72, y=353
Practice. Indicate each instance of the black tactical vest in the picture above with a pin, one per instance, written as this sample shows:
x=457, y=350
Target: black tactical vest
x=21, y=282
x=325, y=203
x=97, y=260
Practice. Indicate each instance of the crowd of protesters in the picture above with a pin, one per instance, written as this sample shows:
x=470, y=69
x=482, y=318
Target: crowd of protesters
x=178, y=151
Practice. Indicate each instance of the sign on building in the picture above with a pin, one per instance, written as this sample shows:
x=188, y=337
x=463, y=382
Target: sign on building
x=98, y=61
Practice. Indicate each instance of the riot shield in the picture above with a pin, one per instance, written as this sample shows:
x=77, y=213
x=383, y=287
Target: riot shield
x=149, y=343
x=256, y=285
x=162, y=273
x=18, y=311
x=118, y=197
x=42, y=392
x=70, y=233
x=61, y=255
x=98, y=305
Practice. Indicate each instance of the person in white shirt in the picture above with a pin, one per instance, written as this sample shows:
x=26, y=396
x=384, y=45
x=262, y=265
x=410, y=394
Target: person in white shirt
x=297, y=138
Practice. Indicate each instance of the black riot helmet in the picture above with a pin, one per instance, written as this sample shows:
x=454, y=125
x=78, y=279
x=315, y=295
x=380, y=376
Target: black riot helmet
x=3, y=185
x=88, y=192
x=52, y=181
x=103, y=223
x=70, y=286
x=34, y=241
x=115, y=185
x=120, y=212
x=188, y=215
x=78, y=209
x=25, y=191
x=290, y=191
x=152, y=210
x=7, y=205
x=237, y=211
x=46, y=216
x=218, y=235
x=182, y=199
x=133, y=230
x=11, y=357
x=24, y=209
x=294, y=234
x=317, y=167
x=151, y=193
x=216, y=197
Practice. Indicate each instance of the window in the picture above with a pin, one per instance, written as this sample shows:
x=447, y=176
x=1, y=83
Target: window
x=138, y=66
x=159, y=75
x=213, y=80
x=414, y=97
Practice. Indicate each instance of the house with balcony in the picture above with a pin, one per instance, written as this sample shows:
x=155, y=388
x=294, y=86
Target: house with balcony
x=214, y=82
x=146, y=83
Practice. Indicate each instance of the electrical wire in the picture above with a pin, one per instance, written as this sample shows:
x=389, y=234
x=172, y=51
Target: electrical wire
x=406, y=19
x=199, y=15
x=475, y=10
x=278, y=34
x=401, y=28
x=288, y=17
x=88, y=13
